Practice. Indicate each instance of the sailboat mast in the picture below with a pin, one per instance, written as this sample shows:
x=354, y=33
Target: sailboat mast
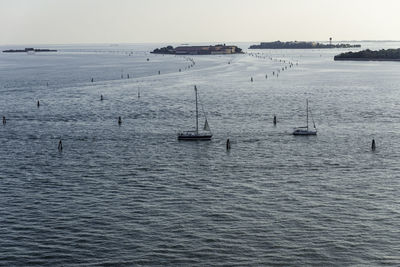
x=307, y=113
x=197, y=112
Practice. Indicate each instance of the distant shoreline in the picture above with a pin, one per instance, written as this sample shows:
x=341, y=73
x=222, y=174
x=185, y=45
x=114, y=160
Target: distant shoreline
x=27, y=50
x=300, y=45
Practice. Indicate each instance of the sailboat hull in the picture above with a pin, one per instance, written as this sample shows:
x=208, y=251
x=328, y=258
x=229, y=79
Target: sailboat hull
x=194, y=137
x=304, y=132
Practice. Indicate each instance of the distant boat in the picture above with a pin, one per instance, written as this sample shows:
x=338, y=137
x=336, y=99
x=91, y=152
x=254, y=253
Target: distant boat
x=305, y=129
x=196, y=135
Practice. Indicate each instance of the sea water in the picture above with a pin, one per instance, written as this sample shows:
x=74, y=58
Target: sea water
x=132, y=194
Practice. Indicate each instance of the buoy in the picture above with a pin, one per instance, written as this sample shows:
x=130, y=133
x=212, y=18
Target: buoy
x=179, y=70
x=159, y=72
x=38, y=103
x=60, y=146
x=274, y=119
x=92, y=80
x=251, y=79
x=101, y=98
x=228, y=144
x=373, y=146
x=148, y=59
x=4, y=120
x=119, y=120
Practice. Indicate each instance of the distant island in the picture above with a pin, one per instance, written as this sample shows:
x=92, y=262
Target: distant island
x=299, y=45
x=219, y=49
x=27, y=50
x=366, y=55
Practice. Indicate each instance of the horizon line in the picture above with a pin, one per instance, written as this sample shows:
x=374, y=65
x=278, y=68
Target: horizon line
x=187, y=42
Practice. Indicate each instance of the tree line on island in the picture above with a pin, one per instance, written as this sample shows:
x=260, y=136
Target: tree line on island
x=383, y=54
x=165, y=50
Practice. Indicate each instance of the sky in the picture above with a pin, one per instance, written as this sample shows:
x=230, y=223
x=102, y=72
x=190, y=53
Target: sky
x=176, y=21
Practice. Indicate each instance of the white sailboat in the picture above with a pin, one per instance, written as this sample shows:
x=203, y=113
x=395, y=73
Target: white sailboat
x=305, y=130
x=195, y=135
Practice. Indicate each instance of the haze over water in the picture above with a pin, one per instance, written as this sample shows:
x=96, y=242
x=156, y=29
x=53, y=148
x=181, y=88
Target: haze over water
x=134, y=195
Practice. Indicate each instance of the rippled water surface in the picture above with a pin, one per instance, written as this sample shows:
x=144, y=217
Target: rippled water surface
x=133, y=195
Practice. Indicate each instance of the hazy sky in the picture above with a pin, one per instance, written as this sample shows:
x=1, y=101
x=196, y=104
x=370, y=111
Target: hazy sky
x=144, y=21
